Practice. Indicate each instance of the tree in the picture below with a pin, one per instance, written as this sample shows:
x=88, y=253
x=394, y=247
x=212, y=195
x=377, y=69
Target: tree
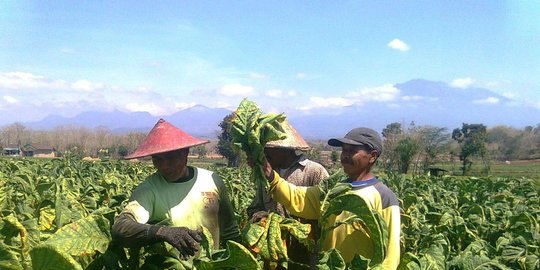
x=391, y=134
x=472, y=139
x=406, y=149
x=225, y=145
x=122, y=151
x=433, y=142
x=200, y=151
x=15, y=133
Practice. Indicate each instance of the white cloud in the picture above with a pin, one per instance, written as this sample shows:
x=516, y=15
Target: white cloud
x=256, y=75
x=412, y=98
x=383, y=93
x=152, y=108
x=10, y=99
x=24, y=80
x=221, y=104
x=184, y=105
x=462, y=83
x=320, y=102
x=278, y=93
x=397, y=44
x=275, y=93
x=509, y=95
x=301, y=76
x=87, y=86
x=419, y=98
x=232, y=90
x=488, y=101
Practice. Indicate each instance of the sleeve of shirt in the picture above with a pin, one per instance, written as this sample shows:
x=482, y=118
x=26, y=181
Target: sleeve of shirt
x=129, y=227
x=393, y=220
x=228, y=225
x=130, y=233
x=300, y=201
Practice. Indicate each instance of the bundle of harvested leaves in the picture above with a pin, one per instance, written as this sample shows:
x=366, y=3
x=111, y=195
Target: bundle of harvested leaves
x=251, y=130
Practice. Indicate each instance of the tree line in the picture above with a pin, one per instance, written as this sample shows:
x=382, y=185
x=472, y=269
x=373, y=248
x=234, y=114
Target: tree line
x=406, y=147
x=424, y=146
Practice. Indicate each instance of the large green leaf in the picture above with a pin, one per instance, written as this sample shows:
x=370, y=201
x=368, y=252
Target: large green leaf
x=331, y=260
x=433, y=258
x=362, y=213
x=475, y=262
x=83, y=238
x=47, y=257
x=236, y=256
x=9, y=259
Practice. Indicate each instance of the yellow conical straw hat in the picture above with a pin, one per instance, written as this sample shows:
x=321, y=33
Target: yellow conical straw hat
x=293, y=140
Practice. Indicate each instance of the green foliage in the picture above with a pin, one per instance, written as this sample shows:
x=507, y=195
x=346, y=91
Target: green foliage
x=225, y=142
x=56, y=214
x=473, y=139
x=406, y=149
x=267, y=237
x=251, y=130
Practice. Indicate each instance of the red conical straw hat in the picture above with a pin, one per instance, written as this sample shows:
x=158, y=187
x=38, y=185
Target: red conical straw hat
x=164, y=137
x=293, y=140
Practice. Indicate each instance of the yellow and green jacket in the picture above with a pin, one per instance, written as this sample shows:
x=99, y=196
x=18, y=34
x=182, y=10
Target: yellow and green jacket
x=348, y=239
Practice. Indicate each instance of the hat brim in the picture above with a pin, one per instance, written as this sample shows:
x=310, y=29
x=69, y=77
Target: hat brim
x=338, y=142
x=144, y=153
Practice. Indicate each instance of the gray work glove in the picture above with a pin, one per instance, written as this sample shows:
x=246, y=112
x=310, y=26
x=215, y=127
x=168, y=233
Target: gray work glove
x=257, y=216
x=182, y=238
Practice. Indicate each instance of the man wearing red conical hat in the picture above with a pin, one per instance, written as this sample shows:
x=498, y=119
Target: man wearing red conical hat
x=181, y=196
x=287, y=158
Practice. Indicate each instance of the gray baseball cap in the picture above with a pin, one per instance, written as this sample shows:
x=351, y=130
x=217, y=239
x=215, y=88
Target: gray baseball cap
x=360, y=136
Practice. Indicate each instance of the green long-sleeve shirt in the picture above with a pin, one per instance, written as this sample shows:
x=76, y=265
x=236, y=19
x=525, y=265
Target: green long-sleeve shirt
x=200, y=199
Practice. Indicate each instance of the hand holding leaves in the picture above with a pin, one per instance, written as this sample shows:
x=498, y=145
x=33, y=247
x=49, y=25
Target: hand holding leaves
x=185, y=240
x=251, y=130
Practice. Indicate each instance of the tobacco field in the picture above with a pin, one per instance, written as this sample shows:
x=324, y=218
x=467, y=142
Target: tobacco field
x=57, y=214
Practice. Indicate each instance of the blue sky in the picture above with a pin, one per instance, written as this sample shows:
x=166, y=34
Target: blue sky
x=66, y=57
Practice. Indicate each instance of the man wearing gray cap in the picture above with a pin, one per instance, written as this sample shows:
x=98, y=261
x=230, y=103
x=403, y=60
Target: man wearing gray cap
x=360, y=149
x=287, y=158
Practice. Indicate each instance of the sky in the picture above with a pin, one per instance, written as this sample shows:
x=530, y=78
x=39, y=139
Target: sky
x=67, y=57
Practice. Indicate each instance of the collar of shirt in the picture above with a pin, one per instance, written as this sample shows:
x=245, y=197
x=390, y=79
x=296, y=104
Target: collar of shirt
x=302, y=160
x=363, y=183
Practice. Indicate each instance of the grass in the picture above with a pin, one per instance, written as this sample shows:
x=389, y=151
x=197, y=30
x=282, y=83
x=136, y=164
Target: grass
x=517, y=168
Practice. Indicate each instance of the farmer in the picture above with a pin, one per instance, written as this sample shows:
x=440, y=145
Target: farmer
x=360, y=149
x=287, y=158
x=182, y=196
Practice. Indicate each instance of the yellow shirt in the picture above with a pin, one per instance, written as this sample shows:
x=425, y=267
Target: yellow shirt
x=349, y=240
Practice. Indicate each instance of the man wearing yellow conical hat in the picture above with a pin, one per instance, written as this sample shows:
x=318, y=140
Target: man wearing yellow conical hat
x=287, y=158
x=182, y=196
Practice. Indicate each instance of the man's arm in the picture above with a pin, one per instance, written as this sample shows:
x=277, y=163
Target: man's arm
x=299, y=201
x=130, y=233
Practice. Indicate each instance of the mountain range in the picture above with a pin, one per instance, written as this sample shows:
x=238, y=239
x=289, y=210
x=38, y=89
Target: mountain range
x=420, y=101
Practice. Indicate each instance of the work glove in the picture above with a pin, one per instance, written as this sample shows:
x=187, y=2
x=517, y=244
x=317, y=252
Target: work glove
x=183, y=239
x=257, y=216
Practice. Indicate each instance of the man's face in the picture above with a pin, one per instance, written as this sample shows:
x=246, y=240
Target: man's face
x=171, y=165
x=279, y=157
x=357, y=160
